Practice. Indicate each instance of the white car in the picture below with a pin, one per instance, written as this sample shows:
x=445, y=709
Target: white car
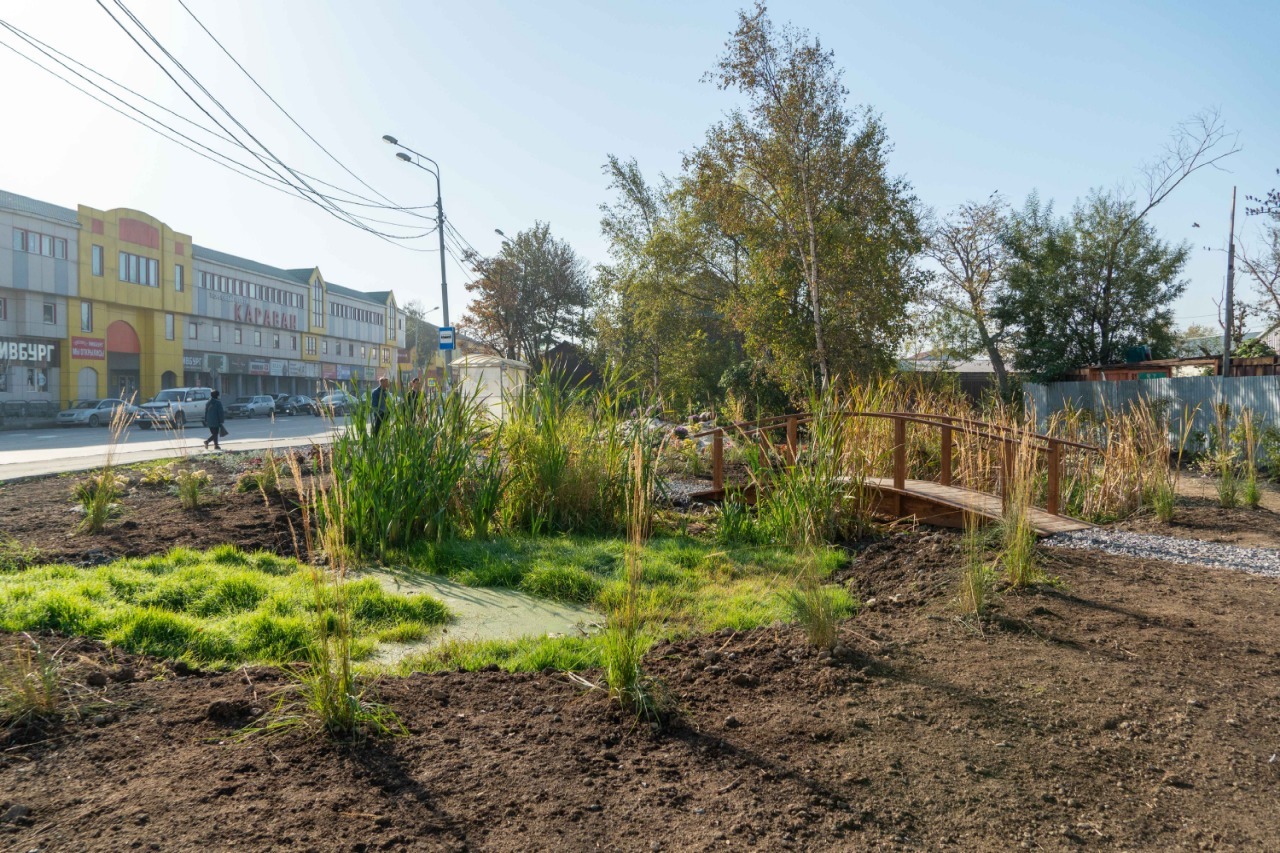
x=94, y=413
x=174, y=407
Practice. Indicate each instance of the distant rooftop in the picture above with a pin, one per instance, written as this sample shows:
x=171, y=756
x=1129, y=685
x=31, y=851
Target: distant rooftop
x=35, y=207
x=301, y=276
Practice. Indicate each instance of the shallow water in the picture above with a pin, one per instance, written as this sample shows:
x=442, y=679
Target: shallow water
x=485, y=614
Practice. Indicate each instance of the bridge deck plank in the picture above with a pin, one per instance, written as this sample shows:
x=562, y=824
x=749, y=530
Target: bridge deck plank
x=979, y=503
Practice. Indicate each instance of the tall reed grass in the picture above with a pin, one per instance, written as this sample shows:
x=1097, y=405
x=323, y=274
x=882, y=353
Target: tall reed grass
x=623, y=642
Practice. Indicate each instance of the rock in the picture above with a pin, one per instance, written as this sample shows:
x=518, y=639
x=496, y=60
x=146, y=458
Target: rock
x=711, y=656
x=15, y=813
x=595, y=807
x=123, y=673
x=97, y=678
x=744, y=679
x=732, y=722
x=100, y=719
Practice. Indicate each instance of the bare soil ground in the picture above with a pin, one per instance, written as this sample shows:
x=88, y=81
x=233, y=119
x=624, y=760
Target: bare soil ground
x=1199, y=516
x=1133, y=705
x=39, y=514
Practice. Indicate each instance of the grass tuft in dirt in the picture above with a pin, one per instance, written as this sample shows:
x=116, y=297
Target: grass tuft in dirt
x=30, y=684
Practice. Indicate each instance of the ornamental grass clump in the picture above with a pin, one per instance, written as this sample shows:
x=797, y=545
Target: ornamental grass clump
x=623, y=642
x=31, y=689
x=1222, y=458
x=1250, y=492
x=1018, y=534
x=191, y=486
x=329, y=694
x=1164, y=491
x=97, y=495
x=977, y=579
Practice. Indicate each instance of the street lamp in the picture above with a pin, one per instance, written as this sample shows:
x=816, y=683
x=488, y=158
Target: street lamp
x=444, y=284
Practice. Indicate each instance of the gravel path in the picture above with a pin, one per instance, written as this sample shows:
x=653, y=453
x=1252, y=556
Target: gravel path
x=1258, y=561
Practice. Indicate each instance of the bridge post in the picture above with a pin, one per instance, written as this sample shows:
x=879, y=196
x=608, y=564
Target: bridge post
x=793, y=439
x=945, y=476
x=1007, y=472
x=717, y=460
x=1055, y=477
x=899, y=453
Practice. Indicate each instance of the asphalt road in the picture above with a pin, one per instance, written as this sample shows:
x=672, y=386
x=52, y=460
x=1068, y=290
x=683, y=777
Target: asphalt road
x=29, y=453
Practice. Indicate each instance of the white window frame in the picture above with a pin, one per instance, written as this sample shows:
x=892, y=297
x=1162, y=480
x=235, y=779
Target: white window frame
x=86, y=316
x=168, y=327
x=51, y=313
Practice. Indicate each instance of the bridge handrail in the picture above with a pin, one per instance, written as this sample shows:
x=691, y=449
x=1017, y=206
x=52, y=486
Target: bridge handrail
x=1010, y=437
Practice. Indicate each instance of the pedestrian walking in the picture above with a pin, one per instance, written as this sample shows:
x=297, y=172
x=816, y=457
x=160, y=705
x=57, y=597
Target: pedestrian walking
x=214, y=419
x=414, y=397
x=379, y=401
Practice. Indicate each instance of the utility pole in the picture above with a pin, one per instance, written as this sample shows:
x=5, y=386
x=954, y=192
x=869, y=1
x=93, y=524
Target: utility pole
x=1231, y=283
x=444, y=284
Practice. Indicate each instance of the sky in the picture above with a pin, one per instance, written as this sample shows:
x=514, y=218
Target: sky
x=521, y=104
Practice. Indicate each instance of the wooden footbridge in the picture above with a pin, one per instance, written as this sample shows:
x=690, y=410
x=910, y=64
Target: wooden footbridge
x=944, y=502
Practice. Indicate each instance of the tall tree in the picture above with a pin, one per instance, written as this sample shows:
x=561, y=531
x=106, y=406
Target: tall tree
x=830, y=234
x=969, y=250
x=1084, y=289
x=662, y=298
x=533, y=295
x=1125, y=276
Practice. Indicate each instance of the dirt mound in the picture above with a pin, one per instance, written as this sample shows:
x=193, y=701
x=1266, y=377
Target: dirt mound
x=908, y=568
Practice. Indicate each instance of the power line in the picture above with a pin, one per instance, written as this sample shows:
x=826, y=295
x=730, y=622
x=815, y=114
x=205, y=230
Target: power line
x=310, y=193
x=287, y=115
x=223, y=160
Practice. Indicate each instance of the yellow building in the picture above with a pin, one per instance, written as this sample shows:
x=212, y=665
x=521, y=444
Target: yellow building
x=105, y=303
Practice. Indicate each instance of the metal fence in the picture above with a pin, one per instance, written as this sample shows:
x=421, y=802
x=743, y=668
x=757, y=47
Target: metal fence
x=1260, y=394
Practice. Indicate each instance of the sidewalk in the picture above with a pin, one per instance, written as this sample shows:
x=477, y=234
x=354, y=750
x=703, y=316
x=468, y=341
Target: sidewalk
x=89, y=458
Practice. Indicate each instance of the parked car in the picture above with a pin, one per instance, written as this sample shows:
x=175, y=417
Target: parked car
x=93, y=412
x=298, y=404
x=174, y=407
x=337, y=403
x=248, y=407
x=280, y=400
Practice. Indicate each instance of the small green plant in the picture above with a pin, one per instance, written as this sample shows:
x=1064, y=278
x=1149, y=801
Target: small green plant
x=816, y=607
x=737, y=526
x=30, y=683
x=97, y=495
x=191, y=485
x=158, y=474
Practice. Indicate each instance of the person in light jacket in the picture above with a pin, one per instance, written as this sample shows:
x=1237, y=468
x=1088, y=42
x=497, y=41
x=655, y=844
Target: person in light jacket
x=213, y=419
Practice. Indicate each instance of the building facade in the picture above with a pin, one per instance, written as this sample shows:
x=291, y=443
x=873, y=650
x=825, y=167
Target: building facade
x=104, y=303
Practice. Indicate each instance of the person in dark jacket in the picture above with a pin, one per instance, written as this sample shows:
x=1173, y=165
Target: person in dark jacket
x=213, y=419
x=380, y=402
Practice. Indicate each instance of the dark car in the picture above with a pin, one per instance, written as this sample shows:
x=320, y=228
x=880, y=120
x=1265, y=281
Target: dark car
x=298, y=404
x=281, y=403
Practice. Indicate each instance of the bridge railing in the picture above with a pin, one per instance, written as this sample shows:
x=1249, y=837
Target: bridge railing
x=1010, y=439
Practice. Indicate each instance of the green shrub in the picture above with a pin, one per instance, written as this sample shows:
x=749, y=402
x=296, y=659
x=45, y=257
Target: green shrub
x=561, y=583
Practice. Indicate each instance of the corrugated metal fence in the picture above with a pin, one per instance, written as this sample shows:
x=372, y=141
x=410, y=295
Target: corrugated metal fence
x=1261, y=394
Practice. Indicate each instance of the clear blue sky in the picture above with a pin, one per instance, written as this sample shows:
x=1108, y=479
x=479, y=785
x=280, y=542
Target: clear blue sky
x=522, y=102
